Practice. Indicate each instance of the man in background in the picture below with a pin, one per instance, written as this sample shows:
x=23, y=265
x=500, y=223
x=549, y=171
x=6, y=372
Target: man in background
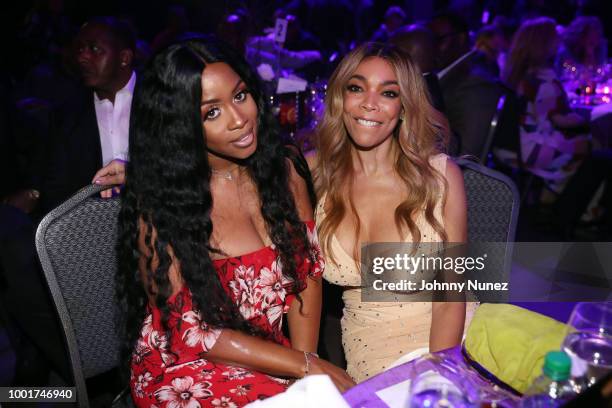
x=470, y=96
x=92, y=129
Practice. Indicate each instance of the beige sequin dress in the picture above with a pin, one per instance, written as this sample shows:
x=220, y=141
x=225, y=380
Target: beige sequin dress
x=375, y=334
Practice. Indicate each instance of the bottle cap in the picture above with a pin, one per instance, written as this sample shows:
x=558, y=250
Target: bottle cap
x=557, y=365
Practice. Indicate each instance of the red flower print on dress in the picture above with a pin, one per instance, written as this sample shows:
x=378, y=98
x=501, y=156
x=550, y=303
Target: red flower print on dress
x=141, y=350
x=275, y=315
x=245, y=288
x=241, y=390
x=199, y=332
x=142, y=382
x=254, y=282
x=207, y=374
x=237, y=373
x=224, y=402
x=183, y=393
x=160, y=342
x=272, y=284
x=315, y=252
x=147, y=326
x=190, y=364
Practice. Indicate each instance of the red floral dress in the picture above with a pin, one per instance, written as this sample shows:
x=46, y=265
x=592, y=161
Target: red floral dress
x=170, y=370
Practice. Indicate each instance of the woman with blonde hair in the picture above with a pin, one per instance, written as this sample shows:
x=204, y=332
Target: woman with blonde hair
x=380, y=176
x=534, y=45
x=551, y=144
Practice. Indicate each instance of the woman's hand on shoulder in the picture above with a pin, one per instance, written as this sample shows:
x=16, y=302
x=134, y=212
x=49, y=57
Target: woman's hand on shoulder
x=455, y=210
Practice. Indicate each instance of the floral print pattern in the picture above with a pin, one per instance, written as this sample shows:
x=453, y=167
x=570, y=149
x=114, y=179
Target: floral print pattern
x=549, y=152
x=170, y=369
x=199, y=332
x=183, y=393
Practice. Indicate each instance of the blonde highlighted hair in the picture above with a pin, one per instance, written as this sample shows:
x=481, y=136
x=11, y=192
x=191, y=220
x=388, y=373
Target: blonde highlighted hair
x=420, y=135
x=534, y=45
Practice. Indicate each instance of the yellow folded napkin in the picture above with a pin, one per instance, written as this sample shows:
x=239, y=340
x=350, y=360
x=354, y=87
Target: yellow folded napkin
x=511, y=342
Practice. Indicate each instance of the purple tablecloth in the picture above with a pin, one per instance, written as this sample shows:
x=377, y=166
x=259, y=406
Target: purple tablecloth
x=364, y=394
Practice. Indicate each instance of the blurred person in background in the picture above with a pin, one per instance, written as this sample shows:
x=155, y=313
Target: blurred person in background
x=470, y=94
x=491, y=44
x=92, y=129
x=394, y=18
x=270, y=58
x=583, y=43
x=177, y=23
x=553, y=143
x=27, y=314
x=419, y=43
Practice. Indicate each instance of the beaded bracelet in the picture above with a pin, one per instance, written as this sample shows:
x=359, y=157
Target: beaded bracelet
x=307, y=355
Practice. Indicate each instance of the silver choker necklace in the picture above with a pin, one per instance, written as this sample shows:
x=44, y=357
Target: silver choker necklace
x=223, y=174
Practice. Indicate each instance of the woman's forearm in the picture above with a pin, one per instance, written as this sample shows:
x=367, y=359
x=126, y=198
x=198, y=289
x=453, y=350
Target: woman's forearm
x=304, y=324
x=569, y=120
x=447, y=322
x=240, y=349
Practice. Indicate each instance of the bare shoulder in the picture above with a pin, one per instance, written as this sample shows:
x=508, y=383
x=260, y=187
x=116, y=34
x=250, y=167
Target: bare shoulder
x=453, y=173
x=455, y=209
x=447, y=167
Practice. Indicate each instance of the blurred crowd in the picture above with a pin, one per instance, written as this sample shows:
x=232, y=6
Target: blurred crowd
x=492, y=67
x=464, y=49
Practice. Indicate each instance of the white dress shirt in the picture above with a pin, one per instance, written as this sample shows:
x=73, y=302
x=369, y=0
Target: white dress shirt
x=114, y=122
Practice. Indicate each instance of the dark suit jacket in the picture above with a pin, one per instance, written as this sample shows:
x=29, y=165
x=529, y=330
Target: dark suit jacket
x=74, y=153
x=470, y=99
x=435, y=92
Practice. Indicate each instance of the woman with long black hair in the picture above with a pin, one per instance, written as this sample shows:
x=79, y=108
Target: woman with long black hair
x=217, y=240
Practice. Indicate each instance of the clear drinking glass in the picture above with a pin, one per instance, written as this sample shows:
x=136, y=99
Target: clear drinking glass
x=440, y=383
x=589, y=342
x=434, y=391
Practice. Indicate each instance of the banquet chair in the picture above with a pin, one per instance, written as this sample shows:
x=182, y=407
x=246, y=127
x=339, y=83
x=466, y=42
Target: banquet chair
x=492, y=129
x=504, y=130
x=76, y=246
x=493, y=203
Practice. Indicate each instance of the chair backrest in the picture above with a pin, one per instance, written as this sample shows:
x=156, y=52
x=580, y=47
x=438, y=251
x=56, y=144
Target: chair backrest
x=76, y=246
x=492, y=208
x=492, y=203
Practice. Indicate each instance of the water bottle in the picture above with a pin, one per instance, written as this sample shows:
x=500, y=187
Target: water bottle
x=553, y=388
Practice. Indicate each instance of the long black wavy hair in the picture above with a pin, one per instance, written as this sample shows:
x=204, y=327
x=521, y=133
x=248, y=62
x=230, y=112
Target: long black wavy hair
x=168, y=189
